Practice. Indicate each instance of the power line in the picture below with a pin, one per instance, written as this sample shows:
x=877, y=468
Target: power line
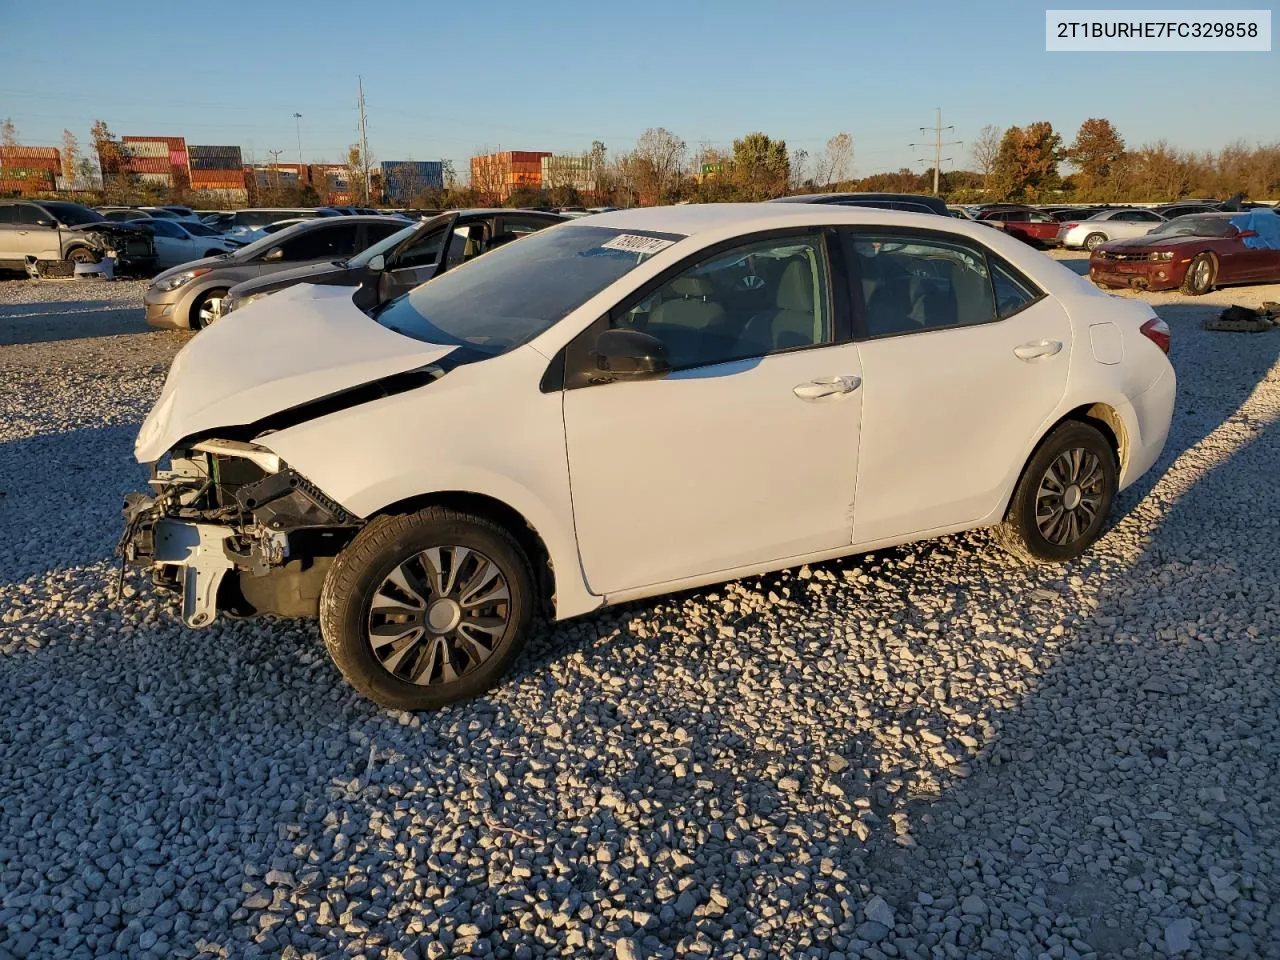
x=937, y=146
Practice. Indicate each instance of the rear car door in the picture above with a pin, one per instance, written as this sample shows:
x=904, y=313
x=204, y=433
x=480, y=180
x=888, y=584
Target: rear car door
x=964, y=360
x=9, y=246
x=747, y=451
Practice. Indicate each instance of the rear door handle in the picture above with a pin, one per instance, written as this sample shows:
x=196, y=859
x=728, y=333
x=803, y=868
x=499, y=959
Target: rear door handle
x=1037, y=350
x=826, y=387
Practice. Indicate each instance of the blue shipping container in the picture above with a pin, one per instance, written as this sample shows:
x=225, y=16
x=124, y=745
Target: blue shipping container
x=402, y=180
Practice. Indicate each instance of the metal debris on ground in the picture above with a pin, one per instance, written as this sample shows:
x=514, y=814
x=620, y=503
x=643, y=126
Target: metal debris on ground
x=1238, y=319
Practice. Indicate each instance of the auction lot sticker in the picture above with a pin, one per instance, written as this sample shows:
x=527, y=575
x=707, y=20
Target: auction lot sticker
x=634, y=243
x=1205, y=31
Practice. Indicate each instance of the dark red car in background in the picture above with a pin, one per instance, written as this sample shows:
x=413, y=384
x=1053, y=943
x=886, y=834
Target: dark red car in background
x=1196, y=252
x=1026, y=223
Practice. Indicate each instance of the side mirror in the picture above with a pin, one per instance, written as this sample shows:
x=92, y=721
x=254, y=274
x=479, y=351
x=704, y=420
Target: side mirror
x=631, y=355
x=274, y=255
x=46, y=223
x=378, y=264
x=1244, y=234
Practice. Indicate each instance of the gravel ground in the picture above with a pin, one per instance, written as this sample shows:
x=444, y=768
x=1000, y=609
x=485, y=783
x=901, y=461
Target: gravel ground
x=926, y=752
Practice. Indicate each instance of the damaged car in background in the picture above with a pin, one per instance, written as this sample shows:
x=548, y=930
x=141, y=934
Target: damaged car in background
x=47, y=237
x=647, y=401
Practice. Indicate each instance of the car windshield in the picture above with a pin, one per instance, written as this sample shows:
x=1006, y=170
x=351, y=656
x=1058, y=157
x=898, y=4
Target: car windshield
x=199, y=230
x=73, y=214
x=383, y=246
x=505, y=298
x=1193, y=226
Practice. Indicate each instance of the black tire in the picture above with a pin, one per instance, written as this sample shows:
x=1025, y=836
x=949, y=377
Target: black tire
x=202, y=309
x=1201, y=274
x=1021, y=533
x=380, y=550
x=1093, y=239
x=83, y=255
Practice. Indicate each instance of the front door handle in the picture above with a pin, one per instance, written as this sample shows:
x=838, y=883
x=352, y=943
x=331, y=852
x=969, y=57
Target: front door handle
x=1037, y=350
x=827, y=387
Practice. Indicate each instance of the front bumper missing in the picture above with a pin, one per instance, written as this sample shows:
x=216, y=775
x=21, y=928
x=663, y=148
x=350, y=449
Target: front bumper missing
x=199, y=549
x=188, y=556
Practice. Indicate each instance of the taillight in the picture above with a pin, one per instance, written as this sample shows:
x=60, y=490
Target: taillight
x=1157, y=331
x=1070, y=226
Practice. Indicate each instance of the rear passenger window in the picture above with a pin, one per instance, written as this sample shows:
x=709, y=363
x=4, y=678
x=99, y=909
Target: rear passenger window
x=1012, y=292
x=907, y=285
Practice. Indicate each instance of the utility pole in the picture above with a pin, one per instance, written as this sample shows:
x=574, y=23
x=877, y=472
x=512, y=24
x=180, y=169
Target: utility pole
x=364, y=141
x=937, y=145
x=275, y=167
x=297, y=123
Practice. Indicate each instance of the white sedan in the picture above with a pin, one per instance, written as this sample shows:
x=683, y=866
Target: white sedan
x=649, y=401
x=181, y=241
x=1120, y=224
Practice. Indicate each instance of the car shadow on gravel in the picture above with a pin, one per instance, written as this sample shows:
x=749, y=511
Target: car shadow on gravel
x=54, y=320
x=1134, y=785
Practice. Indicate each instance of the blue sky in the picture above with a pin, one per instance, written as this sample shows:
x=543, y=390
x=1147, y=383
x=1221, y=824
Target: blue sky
x=442, y=80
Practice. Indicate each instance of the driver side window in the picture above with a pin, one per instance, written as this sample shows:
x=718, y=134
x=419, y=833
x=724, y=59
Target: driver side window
x=750, y=301
x=424, y=251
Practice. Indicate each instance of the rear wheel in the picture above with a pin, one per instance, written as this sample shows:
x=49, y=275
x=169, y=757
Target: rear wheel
x=206, y=309
x=424, y=609
x=1093, y=239
x=1063, y=498
x=1200, y=275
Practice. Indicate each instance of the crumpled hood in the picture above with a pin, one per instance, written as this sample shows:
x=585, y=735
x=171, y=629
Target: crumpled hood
x=302, y=344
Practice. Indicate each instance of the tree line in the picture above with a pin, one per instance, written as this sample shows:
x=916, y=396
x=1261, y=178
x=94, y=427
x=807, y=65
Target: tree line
x=1031, y=163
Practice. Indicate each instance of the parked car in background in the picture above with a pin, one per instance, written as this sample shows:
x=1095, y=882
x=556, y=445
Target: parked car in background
x=1062, y=214
x=1171, y=210
x=181, y=241
x=139, y=213
x=648, y=401
x=906, y=202
x=242, y=221
x=190, y=296
x=1119, y=223
x=1196, y=252
x=1025, y=223
x=185, y=213
x=48, y=231
x=407, y=258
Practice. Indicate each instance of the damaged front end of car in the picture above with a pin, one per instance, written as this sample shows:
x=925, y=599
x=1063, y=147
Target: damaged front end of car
x=233, y=528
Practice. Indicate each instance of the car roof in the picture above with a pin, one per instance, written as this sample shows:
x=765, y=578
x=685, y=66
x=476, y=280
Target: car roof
x=690, y=219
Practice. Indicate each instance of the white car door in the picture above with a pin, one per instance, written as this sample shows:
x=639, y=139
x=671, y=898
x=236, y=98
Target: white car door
x=747, y=451
x=172, y=244
x=37, y=234
x=963, y=363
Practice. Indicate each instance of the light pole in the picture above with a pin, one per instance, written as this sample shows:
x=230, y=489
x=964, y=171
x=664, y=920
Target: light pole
x=297, y=123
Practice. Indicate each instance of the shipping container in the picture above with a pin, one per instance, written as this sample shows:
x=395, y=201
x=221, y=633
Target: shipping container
x=29, y=153
x=159, y=179
x=170, y=143
x=220, y=177
x=148, y=165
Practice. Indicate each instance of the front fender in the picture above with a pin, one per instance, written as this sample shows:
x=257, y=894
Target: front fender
x=483, y=428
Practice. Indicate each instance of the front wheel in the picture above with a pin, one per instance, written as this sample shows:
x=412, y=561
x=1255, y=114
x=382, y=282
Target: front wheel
x=1200, y=275
x=1093, y=239
x=83, y=255
x=206, y=309
x=424, y=609
x=1063, y=499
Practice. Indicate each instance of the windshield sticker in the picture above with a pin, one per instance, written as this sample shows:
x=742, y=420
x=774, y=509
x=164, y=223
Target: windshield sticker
x=634, y=243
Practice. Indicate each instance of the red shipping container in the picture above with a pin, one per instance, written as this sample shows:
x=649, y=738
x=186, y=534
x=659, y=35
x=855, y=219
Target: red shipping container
x=174, y=143
x=148, y=165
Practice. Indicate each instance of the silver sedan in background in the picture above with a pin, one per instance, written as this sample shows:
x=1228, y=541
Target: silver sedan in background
x=1118, y=224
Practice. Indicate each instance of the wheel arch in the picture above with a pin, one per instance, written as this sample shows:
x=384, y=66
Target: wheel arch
x=507, y=516
x=1103, y=417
